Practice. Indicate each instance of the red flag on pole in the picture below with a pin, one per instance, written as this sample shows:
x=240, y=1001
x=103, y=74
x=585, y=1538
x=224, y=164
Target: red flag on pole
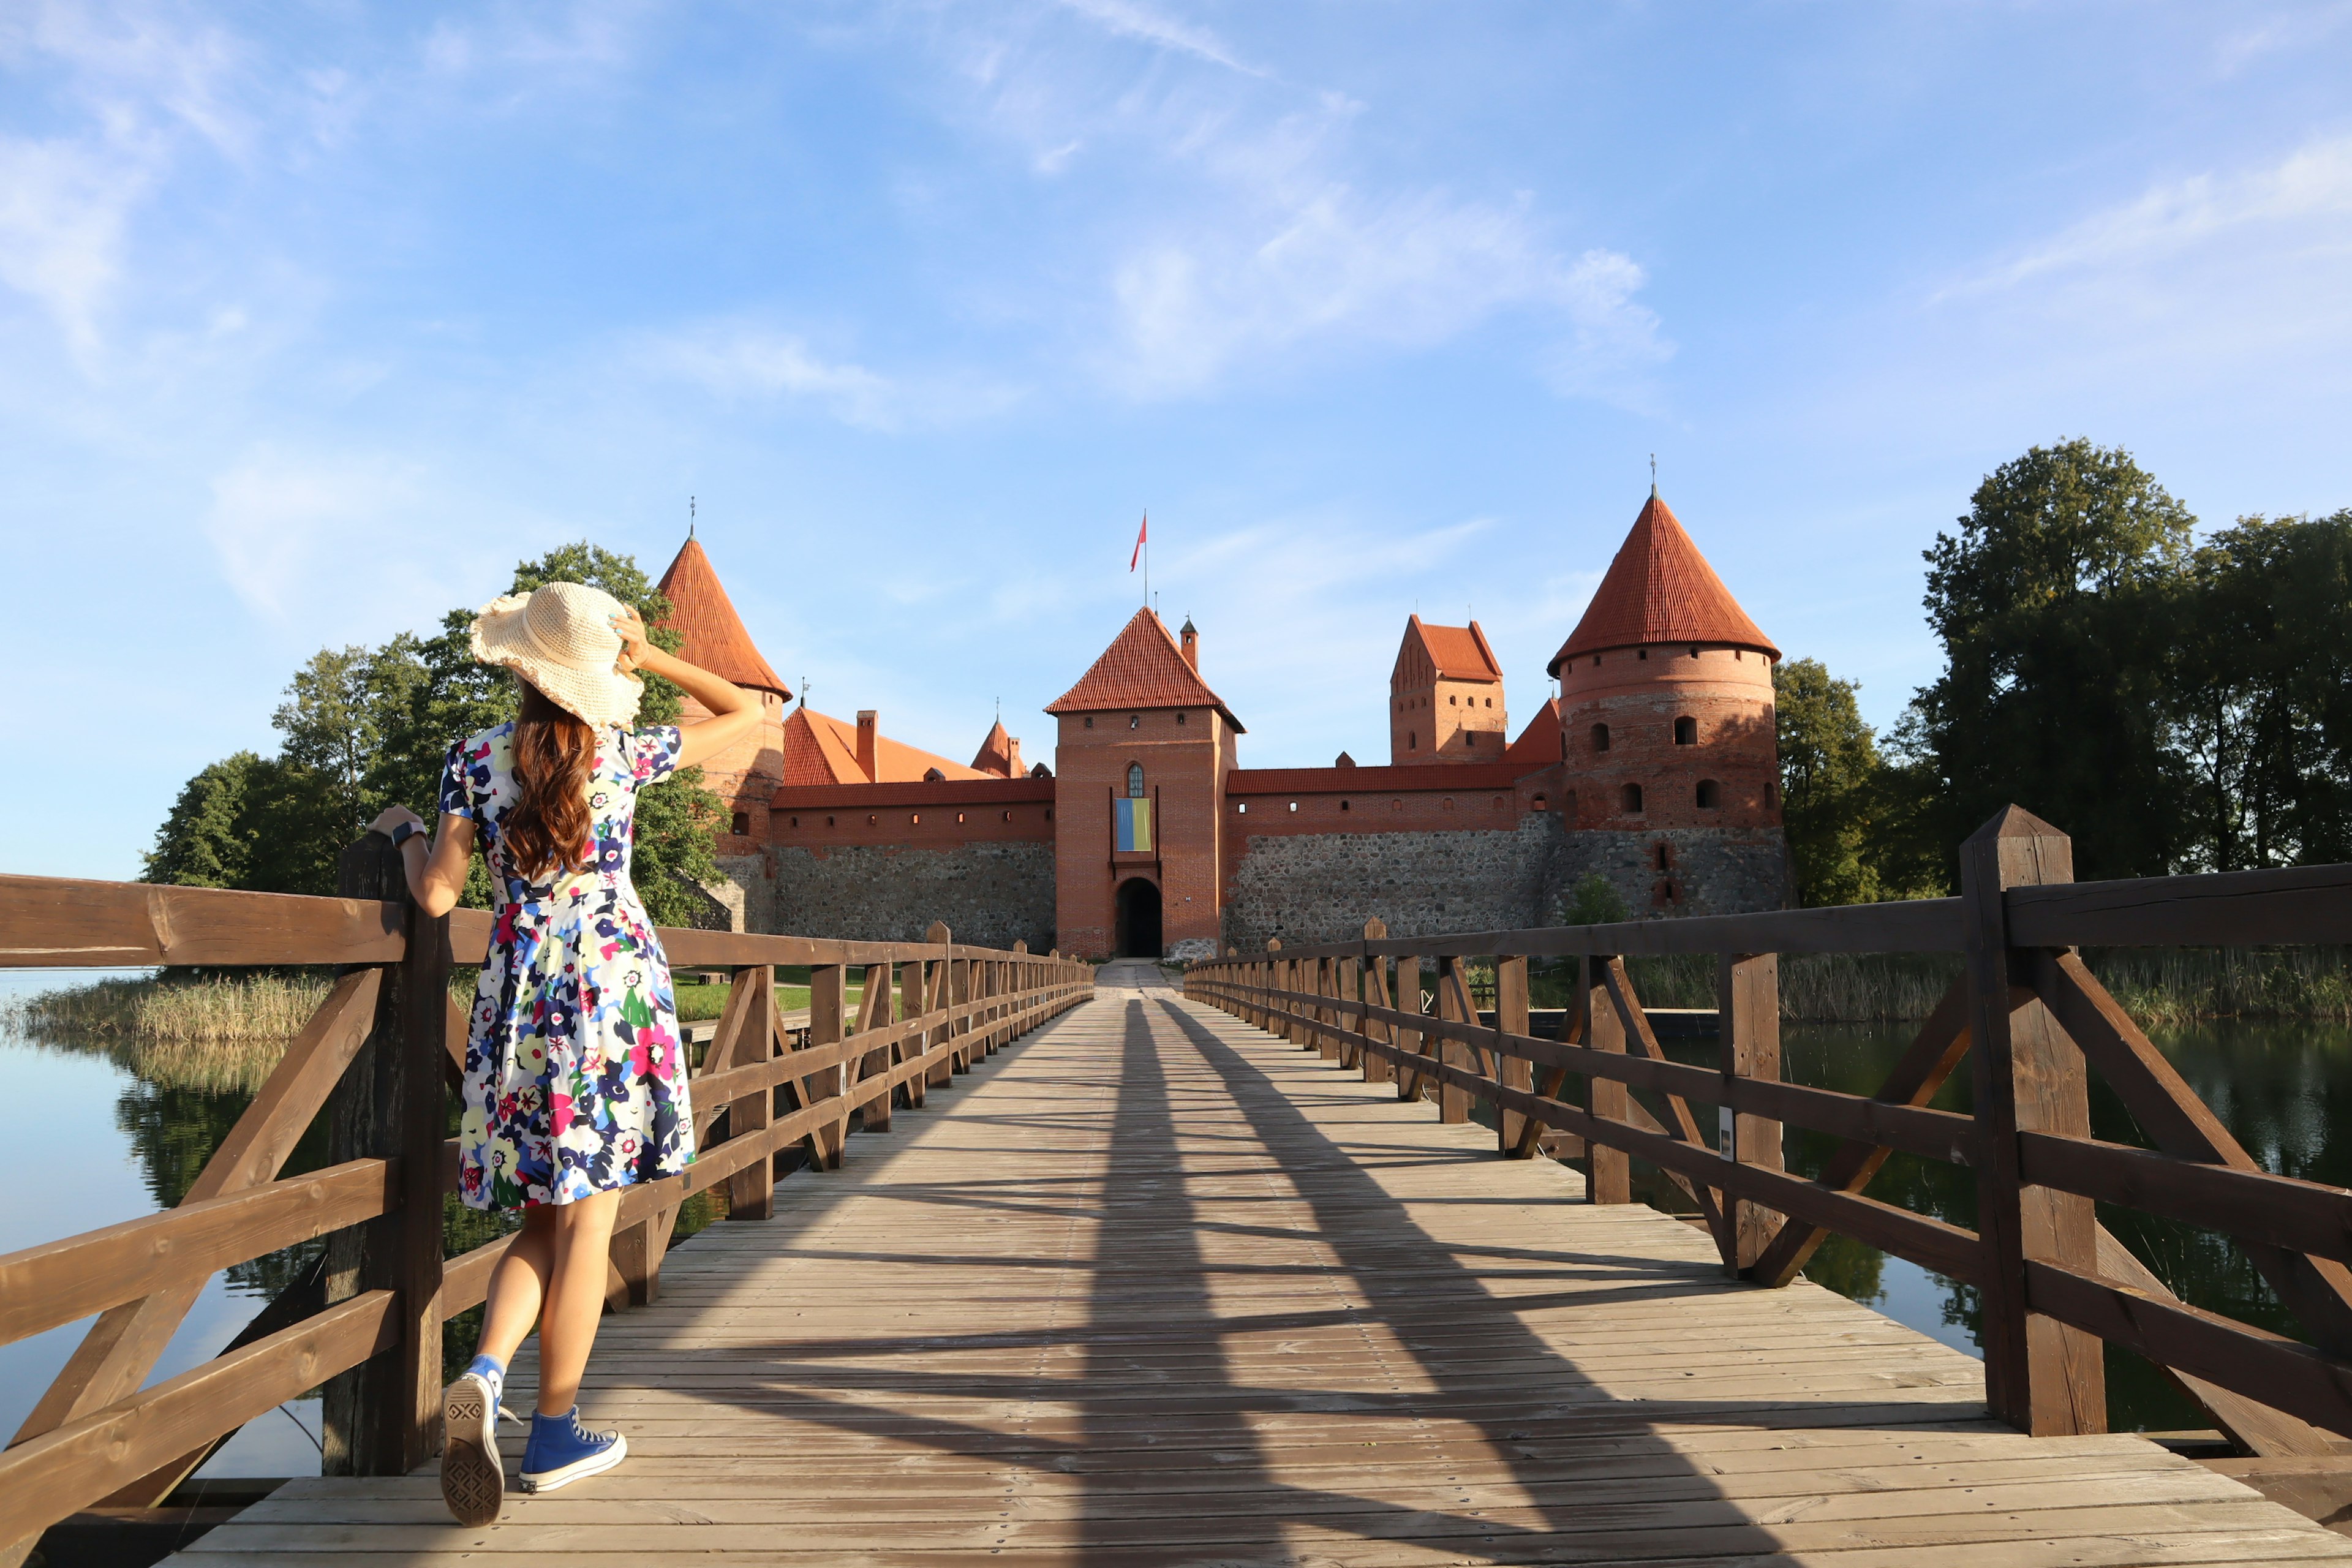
x=1140, y=535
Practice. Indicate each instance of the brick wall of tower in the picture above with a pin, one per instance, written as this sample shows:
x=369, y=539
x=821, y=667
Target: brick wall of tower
x=1447, y=721
x=1678, y=719
x=1184, y=752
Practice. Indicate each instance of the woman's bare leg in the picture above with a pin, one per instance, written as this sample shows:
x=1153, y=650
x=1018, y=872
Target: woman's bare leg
x=574, y=1305
x=518, y=1286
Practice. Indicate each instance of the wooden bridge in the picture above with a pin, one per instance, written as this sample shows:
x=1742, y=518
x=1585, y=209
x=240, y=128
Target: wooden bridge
x=1205, y=1277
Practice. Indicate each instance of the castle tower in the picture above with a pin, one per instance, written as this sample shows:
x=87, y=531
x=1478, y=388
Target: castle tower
x=1139, y=763
x=1446, y=696
x=1666, y=718
x=746, y=775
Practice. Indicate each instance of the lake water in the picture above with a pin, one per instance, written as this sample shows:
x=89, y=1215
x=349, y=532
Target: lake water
x=115, y=1145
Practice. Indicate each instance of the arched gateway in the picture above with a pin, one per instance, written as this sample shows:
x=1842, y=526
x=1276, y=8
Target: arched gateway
x=1138, y=919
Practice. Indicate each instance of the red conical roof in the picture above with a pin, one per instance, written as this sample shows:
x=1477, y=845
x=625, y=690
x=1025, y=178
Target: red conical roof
x=1143, y=667
x=715, y=638
x=996, y=752
x=1660, y=589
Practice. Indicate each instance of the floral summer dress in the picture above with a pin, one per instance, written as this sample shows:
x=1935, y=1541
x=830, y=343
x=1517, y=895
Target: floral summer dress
x=575, y=1082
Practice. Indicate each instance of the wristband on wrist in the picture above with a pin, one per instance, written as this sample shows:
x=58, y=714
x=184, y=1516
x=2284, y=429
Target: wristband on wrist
x=406, y=831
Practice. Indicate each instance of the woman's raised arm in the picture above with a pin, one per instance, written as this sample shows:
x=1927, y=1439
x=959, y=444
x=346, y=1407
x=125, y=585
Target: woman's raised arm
x=733, y=711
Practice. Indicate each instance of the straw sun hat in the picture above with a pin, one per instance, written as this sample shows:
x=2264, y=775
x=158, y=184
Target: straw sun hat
x=561, y=640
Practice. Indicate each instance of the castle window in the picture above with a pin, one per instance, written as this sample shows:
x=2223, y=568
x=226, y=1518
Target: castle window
x=1135, y=721
x=1542, y=803
x=1241, y=807
x=915, y=818
x=933, y=775
x=828, y=822
x=1665, y=858
x=871, y=819
x=1343, y=806
x=1413, y=740
x=1640, y=653
x=1449, y=803
x=958, y=816
x=1008, y=816
x=1396, y=805
x=1090, y=721
x=1600, y=737
x=740, y=823
x=1665, y=893
x=1771, y=793
x=1179, y=717
x=1049, y=814
x=1450, y=701
x=1710, y=794
x=1596, y=661
x=1694, y=652
x=1135, y=781
x=1631, y=798
x=1686, y=730
x=1293, y=806
x=1469, y=737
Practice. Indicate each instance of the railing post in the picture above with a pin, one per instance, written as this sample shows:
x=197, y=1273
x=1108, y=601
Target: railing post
x=941, y=1039
x=1513, y=1072
x=382, y=1416
x=1747, y=998
x=2041, y=1375
x=960, y=996
x=873, y=1013
x=1411, y=1085
x=751, y=1191
x=912, y=1005
x=1351, y=989
x=1378, y=1068
x=1326, y=985
x=828, y=1020
x=1272, y=968
x=1608, y=1176
x=1454, y=1005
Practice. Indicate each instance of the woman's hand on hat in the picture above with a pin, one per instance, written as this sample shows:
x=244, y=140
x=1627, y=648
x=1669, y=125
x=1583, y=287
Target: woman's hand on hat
x=392, y=816
x=631, y=627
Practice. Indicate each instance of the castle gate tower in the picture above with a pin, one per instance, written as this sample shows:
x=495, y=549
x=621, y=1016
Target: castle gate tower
x=1446, y=696
x=1667, y=722
x=1139, y=763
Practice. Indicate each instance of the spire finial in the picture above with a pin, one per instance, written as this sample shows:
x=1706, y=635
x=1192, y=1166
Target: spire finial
x=1654, y=476
x=690, y=517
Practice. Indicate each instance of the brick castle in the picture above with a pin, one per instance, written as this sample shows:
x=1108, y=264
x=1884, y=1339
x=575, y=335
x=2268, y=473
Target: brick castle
x=1655, y=767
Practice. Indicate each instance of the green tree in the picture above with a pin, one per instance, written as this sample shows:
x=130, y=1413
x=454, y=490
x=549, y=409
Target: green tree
x=1593, y=901
x=2052, y=603
x=205, y=841
x=1831, y=784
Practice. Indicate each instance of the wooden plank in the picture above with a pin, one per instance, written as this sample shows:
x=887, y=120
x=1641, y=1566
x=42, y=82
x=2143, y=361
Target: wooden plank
x=2043, y=1374
x=2256, y=1205
x=1681, y=1123
x=1748, y=999
x=1608, y=1178
x=60, y=922
x=58, y=1282
x=1453, y=1005
x=2282, y=905
x=1511, y=1139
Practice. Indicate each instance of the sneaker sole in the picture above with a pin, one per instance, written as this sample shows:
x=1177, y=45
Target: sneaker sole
x=578, y=1470
x=473, y=1480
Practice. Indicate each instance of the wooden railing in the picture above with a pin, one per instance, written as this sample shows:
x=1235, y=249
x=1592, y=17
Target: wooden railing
x=2025, y=1012
x=379, y=1056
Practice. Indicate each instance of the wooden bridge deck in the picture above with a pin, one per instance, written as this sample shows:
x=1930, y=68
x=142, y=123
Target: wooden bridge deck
x=1154, y=1286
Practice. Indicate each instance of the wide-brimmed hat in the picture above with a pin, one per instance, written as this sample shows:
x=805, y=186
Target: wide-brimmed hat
x=560, y=638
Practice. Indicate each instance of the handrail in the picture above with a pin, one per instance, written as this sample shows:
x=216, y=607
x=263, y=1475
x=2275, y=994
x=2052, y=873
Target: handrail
x=2050, y=1277
x=376, y=1056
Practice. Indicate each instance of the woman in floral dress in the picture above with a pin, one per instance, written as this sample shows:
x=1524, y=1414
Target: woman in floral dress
x=575, y=1079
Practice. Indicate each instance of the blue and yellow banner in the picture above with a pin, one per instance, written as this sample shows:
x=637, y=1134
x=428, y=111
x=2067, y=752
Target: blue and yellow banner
x=1131, y=823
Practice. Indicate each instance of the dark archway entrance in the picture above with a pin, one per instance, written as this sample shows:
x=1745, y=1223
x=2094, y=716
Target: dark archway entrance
x=1138, y=919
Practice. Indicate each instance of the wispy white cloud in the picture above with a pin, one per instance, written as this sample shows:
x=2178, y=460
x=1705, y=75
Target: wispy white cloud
x=2298, y=28
x=1127, y=19
x=2305, y=199
x=737, y=361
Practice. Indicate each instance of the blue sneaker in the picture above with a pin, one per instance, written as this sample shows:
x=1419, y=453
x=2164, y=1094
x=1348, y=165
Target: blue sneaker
x=473, y=1480
x=562, y=1451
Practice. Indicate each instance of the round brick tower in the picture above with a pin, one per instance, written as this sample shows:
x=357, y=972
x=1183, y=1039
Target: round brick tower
x=1668, y=730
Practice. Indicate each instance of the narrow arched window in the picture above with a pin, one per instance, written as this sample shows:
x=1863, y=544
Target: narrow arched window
x=1135, y=781
x=1710, y=794
x=1686, y=730
x=1413, y=740
x=740, y=823
x=1631, y=798
x=1600, y=737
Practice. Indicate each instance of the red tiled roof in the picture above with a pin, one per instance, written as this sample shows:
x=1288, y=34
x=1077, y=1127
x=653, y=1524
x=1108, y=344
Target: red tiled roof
x=995, y=755
x=715, y=638
x=1660, y=589
x=820, y=749
x=1538, y=744
x=1457, y=653
x=1143, y=667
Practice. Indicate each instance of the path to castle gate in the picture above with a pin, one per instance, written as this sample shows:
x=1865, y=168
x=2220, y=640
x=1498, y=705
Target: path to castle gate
x=1154, y=1286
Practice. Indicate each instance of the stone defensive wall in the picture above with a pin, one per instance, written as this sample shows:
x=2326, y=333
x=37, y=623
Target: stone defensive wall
x=1452, y=846
x=880, y=862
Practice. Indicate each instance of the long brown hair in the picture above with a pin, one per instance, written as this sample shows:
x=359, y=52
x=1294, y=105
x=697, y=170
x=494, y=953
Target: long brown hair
x=553, y=752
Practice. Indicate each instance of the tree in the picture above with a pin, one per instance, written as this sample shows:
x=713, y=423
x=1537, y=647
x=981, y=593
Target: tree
x=1593, y=901
x=1830, y=781
x=205, y=840
x=2051, y=604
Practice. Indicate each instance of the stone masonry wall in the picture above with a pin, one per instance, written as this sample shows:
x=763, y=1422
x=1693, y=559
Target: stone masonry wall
x=1707, y=870
x=1322, y=886
x=991, y=893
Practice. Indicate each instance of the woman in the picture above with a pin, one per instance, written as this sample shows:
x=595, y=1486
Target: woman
x=575, y=1082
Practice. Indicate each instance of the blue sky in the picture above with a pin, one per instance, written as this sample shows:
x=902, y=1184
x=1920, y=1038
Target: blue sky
x=314, y=318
